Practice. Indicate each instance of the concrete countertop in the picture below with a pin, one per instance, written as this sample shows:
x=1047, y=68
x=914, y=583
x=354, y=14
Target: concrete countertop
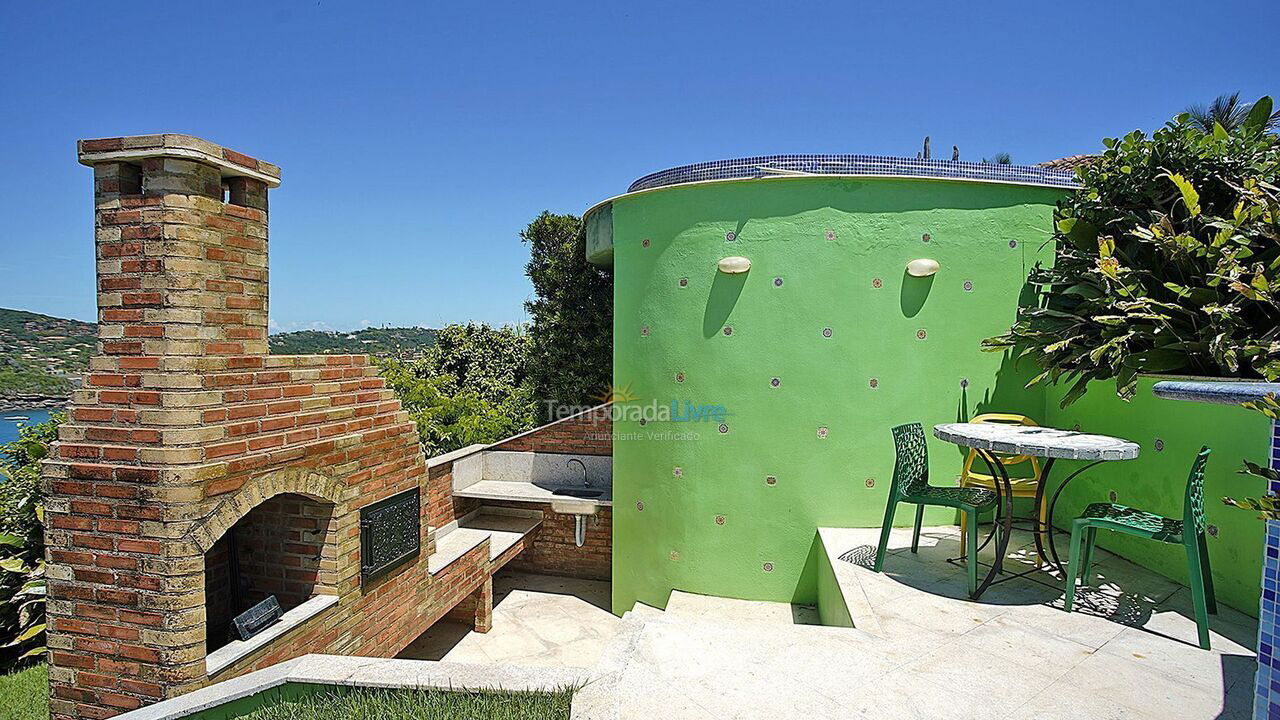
x=520, y=491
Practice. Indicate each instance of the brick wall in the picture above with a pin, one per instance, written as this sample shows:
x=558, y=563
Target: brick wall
x=185, y=425
x=551, y=549
x=587, y=433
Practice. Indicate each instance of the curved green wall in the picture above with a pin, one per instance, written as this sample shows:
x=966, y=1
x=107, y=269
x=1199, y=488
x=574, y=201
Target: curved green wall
x=694, y=509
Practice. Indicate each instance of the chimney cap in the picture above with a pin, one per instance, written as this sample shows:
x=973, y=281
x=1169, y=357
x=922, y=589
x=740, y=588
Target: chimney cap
x=186, y=147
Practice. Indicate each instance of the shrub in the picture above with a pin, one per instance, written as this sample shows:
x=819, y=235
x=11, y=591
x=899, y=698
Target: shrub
x=1168, y=260
x=472, y=387
x=22, y=582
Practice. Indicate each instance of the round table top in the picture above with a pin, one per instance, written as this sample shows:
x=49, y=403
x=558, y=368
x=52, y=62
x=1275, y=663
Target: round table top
x=1038, y=441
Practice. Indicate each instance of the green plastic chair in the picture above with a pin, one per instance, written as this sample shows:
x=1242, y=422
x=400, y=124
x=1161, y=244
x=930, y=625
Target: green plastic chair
x=911, y=485
x=1188, y=532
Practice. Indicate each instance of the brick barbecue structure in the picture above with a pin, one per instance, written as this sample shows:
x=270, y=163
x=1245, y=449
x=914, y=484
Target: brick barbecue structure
x=197, y=474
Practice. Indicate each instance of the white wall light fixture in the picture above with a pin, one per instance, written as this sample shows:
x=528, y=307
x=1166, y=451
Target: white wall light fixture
x=920, y=267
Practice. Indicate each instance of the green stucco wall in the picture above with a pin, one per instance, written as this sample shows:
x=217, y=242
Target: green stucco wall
x=712, y=526
x=1155, y=481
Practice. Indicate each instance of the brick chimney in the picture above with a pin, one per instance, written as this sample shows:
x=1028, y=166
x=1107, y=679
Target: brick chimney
x=181, y=239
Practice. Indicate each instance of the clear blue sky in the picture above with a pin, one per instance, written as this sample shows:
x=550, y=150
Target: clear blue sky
x=418, y=138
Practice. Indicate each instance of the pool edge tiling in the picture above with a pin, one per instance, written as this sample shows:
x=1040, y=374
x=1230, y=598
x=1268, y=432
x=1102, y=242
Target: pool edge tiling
x=759, y=166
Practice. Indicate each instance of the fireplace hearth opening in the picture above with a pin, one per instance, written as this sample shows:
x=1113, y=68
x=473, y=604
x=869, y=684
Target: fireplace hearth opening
x=285, y=547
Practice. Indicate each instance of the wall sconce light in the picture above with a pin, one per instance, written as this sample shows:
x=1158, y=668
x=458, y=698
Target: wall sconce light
x=921, y=267
x=734, y=265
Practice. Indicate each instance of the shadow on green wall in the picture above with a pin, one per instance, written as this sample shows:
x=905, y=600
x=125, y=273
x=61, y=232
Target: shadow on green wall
x=725, y=290
x=915, y=290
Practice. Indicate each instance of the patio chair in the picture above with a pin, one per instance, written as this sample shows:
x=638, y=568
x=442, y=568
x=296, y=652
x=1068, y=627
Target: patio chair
x=1188, y=532
x=911, y=485
x=1023, y=487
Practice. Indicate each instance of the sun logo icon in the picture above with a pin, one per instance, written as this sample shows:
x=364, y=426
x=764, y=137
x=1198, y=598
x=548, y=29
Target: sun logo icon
x=616, y=394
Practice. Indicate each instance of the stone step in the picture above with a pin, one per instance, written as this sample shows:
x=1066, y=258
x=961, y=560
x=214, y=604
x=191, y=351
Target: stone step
x=731, y=610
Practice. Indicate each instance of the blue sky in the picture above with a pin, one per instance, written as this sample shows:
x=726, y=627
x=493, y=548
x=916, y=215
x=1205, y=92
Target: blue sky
x=418, y=138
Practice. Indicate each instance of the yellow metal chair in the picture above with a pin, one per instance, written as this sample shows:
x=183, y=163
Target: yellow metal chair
x=1023, y=487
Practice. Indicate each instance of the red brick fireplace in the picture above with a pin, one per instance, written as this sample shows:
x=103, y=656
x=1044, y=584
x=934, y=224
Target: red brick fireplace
x=197, y=474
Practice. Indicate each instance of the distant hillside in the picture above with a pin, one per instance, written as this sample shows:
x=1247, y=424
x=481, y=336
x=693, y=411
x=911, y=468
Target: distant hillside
x=44, y=357
x=400, y=342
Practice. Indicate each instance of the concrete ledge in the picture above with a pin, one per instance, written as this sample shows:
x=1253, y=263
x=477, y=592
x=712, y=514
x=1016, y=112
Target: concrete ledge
x=228, y=654
x=366, y=672
x=186, y=147
x=1221, y=392
x=454, y=455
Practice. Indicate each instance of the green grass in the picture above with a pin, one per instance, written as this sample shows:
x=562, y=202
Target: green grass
x=24, y=695
x=419, y=705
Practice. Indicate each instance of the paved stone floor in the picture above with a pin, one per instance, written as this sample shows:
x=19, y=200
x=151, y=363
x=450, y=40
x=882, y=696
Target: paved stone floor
x=1129, y=651
x=538, y=620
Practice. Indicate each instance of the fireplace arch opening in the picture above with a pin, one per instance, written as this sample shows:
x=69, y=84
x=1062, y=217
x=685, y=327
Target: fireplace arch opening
x=284, y=547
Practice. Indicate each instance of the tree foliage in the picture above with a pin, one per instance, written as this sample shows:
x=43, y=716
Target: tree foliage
x=571, y=336
x=1168, y=260
x=1227, y=111
x=22, y=582
x=471, y=387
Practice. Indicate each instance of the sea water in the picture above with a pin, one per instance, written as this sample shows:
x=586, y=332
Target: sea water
x=11, y=420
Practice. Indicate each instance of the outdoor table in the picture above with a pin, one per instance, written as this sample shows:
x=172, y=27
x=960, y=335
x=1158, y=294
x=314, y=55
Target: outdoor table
x=1045, y=442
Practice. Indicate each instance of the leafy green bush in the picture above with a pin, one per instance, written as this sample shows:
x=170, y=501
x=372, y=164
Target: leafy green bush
x=472, y=387
x=22, y=582
x=1168, y=261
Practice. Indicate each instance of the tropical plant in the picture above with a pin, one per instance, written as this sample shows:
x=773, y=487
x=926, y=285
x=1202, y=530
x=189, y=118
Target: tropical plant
x=472, y=387
x=1000, y=158
x=22, y=576
x=571, y=337
x=1167, y=260
x=1227, y=111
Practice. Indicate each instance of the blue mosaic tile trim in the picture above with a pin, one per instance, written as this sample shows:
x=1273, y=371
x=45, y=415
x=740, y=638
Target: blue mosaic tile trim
x=773, y=165
x=1223, y=393
x=1267, y=684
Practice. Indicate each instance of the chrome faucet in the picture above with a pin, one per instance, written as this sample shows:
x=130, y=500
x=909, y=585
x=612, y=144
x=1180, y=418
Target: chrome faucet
x=571, y=461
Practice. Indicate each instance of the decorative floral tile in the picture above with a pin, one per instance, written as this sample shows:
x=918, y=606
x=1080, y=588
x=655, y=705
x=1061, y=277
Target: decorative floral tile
x=925, y=237
x=822, y=433
x=826, y=332
x=719, y=519
x=770, y=480
x=679, y=377
x=831, y=235
x=730, y=236
x=921, y=334
x=873, y=383
x=644, y=243
x=677, y=472
x=968, y=286
x=767, y=567
x=1013, y=243
x=683, y=282
x=640, y=505
x=723, y=428
x=777, y=282
x=644, y=331
x=877, y=283
x=775, y=382
x=728, y=330
x=870, y=482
